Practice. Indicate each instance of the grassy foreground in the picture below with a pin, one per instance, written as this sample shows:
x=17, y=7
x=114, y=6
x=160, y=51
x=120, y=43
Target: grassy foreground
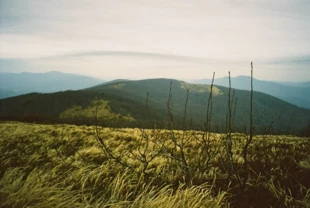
x=67, y=166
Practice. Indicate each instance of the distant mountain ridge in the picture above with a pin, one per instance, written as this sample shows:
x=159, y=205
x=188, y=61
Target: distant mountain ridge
x=143, y=103
x=296, y=84
x=13, y=84
x=295, y=93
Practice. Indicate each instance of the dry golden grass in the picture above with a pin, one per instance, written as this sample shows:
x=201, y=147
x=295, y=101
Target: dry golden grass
x=65, y=166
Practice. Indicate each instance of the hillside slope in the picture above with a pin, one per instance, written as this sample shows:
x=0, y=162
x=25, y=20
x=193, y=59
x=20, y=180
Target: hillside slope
x=125, y=104
x=295, y=93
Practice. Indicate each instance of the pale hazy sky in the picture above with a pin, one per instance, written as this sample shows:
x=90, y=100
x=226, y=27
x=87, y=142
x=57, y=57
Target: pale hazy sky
x=183, y=39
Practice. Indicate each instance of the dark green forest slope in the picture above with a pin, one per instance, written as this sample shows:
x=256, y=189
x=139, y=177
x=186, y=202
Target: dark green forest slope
x=143, y=103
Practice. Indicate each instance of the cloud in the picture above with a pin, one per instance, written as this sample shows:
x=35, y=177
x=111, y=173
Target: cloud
x=222, y=35
x=214, y=29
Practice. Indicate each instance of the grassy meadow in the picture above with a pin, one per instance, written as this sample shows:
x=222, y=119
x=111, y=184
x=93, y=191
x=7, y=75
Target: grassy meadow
x=86, y=166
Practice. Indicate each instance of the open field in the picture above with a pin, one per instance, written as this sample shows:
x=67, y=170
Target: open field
x=85, y=166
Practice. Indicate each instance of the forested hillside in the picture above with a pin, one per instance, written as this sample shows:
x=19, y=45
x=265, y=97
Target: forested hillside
x=295, y=93
x=144, y=104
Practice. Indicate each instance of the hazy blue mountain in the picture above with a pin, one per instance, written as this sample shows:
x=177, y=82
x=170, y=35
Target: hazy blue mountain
x=295, y=93
x=13, y=84
x=296, y=84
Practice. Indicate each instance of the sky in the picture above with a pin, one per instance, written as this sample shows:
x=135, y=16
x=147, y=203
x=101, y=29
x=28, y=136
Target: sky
x=137, y=39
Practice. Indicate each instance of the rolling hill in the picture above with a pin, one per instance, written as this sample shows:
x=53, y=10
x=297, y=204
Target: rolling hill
x=295, y=93
x=143, y=103
x=13, y=84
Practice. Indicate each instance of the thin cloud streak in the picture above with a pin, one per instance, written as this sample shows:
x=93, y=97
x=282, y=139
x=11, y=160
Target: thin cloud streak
x=111, y=65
